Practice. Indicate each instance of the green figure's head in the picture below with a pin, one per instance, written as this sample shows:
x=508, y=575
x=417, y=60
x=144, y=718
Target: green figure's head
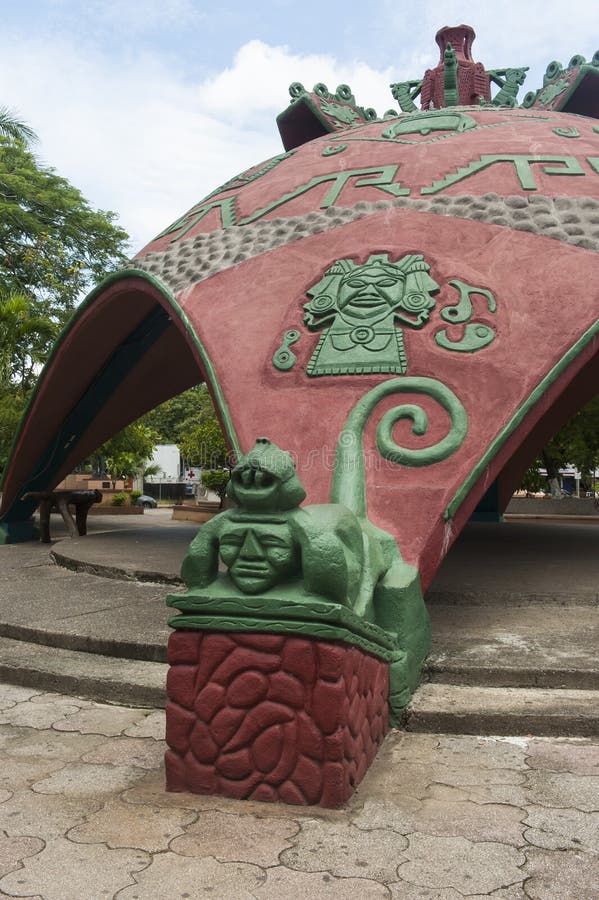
x=370, y=290
x=259, y=553
x=265, y=480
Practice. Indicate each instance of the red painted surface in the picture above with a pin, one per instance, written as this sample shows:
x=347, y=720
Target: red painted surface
x=422, y=159
x=272, y=717
x=544, y=288
x=530, y=277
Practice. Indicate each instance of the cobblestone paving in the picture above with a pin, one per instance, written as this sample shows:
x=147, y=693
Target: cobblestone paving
x=84, y=815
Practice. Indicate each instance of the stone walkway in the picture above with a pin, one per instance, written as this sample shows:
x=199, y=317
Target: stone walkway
x=83, y=815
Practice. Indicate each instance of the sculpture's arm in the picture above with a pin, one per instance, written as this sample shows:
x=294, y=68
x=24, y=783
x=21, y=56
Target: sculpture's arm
x=200, y=566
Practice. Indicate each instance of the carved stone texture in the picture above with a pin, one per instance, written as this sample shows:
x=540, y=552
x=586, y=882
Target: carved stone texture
x=272, y=717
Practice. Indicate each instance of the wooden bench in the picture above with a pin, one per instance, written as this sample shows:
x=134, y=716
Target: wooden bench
x=61, y=500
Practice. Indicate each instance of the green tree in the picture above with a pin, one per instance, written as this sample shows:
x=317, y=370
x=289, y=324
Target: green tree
x=576, y=444
x=14, y=128
x=189, y=420
x=53, y=245
x=126, y=453
x=25, y=339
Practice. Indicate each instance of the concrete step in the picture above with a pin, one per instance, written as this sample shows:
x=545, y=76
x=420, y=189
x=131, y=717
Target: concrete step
x=90, y=675
x=464, y=709
x=508, y=645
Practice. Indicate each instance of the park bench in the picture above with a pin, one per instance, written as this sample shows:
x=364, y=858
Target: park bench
x=60, y=501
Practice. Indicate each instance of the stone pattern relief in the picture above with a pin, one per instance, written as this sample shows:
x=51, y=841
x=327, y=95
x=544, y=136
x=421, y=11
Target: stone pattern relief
x=437, y=816
x=573, y=220
x=271, y=717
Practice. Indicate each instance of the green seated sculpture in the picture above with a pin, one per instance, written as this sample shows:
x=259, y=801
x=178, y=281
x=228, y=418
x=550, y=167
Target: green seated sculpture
x=271, y=565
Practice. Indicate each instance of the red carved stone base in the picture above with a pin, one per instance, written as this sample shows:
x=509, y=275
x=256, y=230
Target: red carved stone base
x=272, y=717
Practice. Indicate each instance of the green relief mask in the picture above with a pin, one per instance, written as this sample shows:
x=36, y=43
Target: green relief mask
x=258, y=554
x=360, y=307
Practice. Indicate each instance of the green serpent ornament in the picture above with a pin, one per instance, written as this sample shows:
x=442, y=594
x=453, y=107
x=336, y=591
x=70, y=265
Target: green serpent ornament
x=349, y=477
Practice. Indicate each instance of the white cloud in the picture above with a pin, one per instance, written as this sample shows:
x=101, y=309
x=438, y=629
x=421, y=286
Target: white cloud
x=136, y=134
x=260, y=74
x=139, y=139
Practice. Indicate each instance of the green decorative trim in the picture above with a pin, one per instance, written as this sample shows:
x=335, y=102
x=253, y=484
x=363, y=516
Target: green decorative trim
x=517, y=419
x=349, y=477
x=284, y=359
x=430, y=120
x=316, y=570
x=58, y=450
x=510, y=82
x=522, y=165
x=321, y=630
x=228, y=217
x=382, y=178
x=566, y=132
x=249, y=176
x=283, y=602
x=333, y=150
x=227, y=205
x=593, y=161
x=476, y=336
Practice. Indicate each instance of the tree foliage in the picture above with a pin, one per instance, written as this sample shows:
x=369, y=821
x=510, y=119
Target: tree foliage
x=576, y=444
x=53, y=245
x=189, y=420
x=126, y=453
x=53, y=248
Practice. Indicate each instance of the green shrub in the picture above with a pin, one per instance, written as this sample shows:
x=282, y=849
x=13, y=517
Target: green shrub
x=120, y=499
x=216, y=480
x=133, y=496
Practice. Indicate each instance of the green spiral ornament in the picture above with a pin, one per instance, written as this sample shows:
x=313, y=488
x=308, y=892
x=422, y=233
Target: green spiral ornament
x=349, y=477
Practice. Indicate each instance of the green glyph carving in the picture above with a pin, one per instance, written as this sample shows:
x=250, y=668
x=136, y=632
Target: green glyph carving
x=321, y=570
x=551, y=91
x=284, y=359
x=567, y=132
x=405, y=92
x=344, y=115
x=476, y=335
x=522, y=167
x=333, y=150
x=432, y=120
x=360, y=306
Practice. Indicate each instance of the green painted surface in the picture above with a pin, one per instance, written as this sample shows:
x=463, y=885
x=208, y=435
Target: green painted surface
x=382, y=178
x=317, y=570
x=522, y=166
x=510, y=82
x=476, y=335
x=348, y=486
x=359, y=307
x=284, y=359
x=450, y=77
x=429, y=121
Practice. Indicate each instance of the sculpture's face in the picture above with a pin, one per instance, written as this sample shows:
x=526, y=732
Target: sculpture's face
x=258, y=554
x=369, y=291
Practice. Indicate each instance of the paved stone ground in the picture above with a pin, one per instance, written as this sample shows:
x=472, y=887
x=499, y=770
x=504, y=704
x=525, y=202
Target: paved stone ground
x=83, y=815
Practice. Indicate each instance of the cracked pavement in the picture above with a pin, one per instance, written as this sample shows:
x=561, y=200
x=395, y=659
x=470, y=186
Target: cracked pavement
x=84, y=814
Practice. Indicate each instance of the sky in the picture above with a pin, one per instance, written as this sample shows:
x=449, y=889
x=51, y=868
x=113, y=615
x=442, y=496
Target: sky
x=147, y=105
